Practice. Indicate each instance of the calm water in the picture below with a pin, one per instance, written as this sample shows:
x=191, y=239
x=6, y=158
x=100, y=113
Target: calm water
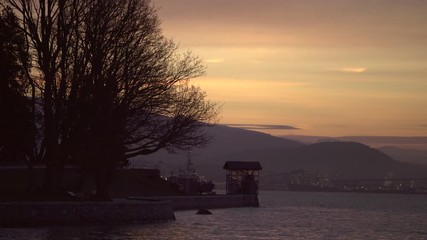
x=283, y=215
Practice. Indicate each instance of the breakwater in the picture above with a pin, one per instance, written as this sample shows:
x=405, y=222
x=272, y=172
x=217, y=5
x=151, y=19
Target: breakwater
x=119, y=211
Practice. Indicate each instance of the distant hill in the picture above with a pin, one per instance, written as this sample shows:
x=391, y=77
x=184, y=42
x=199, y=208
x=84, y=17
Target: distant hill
x=344, y=159
x=419, y=143
x=337, y=159
x=230, y=139
x=225, y=141
x=405, y=155
x=278, y=155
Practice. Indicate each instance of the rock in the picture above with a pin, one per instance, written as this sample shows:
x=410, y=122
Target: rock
x=203, y=212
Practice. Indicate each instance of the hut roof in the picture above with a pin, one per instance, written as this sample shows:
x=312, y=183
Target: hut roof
x=237, y=165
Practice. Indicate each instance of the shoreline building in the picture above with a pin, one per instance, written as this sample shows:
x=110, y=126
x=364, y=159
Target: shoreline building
x=242, y=177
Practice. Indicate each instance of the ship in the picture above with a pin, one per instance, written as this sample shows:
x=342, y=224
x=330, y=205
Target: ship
x=189, y=182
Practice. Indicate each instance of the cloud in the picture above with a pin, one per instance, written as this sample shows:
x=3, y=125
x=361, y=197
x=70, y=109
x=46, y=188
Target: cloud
x=278, y=22
x=263, y=126
x=351, y=69
x=215, y=60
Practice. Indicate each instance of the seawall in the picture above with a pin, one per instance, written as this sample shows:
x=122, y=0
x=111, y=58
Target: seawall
x=119, y=211
x=69, y=213
x=208, y=202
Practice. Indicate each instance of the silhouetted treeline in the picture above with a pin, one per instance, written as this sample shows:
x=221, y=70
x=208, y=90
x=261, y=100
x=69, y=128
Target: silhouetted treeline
x=17, y=129
x=109, y=86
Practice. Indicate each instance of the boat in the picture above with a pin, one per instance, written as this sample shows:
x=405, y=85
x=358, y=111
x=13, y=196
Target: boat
x=189, y=182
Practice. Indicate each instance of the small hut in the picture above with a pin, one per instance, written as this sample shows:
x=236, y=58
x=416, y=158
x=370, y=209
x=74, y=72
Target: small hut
x=242, y=177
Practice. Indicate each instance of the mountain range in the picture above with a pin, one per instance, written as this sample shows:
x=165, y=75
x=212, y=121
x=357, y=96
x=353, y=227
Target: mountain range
x=277, y=155
x=405, y=155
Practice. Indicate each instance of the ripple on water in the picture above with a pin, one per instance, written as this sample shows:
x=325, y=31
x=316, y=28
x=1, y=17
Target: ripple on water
x=282, y=215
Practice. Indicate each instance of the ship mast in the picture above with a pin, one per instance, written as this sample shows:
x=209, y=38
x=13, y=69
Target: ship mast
x=190, y=166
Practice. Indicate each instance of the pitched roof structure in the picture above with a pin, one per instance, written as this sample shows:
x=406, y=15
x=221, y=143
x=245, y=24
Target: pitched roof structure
x=237, y=165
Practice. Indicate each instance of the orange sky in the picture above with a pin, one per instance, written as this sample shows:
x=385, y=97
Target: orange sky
x=326, y=67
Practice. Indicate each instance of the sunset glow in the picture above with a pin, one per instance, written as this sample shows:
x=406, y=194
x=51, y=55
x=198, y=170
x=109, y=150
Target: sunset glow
x=335, y=67
x=352, y=70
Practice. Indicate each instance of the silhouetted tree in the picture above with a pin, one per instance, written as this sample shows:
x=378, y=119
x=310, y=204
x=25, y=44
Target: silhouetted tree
x=111, y=85
x=48, y=26
x=16, y=123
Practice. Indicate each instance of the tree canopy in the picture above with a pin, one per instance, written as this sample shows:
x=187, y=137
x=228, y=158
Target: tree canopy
x=111, y=85
x=16, y=125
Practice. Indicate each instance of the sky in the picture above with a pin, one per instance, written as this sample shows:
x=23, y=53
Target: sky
x=312, y=67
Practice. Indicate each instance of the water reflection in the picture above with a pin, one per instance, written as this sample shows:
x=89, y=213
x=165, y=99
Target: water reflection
x=282, y=215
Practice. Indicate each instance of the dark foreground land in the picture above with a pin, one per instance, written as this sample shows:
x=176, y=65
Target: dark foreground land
x=14, y=185
x=137, y=196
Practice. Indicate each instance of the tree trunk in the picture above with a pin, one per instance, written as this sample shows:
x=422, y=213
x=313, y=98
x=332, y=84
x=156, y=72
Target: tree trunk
x=30, y=180
x=103, y=179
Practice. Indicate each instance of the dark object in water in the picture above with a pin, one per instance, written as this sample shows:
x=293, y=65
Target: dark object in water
x=203, y=212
